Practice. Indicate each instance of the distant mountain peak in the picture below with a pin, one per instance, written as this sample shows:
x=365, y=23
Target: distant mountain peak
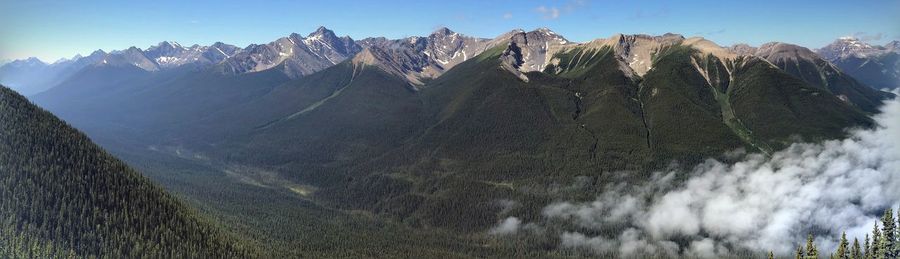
x=876, y=66
x=442, y=31
x=168, y=44
x=295, y=54
x=548, y=34
x=322, y=32
x=28, y=62
x=531, y=51
x=418, y=58
x=775, y=51
x=893, y=46
x=34, y=60
x=848, y=46
x=545, y=30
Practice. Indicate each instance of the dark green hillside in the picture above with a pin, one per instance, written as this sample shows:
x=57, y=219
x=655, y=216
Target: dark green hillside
x=607, y=107
x=819, y=73
x=62, y=196
x=776, y=106
x=682, y=111
x=328, y=121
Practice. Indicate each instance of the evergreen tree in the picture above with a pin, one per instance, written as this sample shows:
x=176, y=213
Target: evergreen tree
x=843, y=250
x=896, y=243
x=867, y=250
x=876, y=243
x=856, y=252
x=811, y=251
x=771, y=255
x=800, y=254
x=888, y=234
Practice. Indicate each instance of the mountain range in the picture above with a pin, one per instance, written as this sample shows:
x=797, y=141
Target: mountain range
x=418, y=58
x=436, y=131
x=873, y=65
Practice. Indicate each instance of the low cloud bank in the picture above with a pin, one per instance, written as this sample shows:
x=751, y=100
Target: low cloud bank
x=758, y=204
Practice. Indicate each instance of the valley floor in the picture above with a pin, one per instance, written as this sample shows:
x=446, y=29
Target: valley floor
x=283, y=220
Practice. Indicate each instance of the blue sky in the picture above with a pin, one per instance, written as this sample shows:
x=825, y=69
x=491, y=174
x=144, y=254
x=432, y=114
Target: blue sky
x=50, y=30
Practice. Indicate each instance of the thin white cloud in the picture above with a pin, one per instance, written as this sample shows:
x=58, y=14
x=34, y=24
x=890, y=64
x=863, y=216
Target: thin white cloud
x=865, y=36
x=551, y=13
x=507, y=16
x=554, y=12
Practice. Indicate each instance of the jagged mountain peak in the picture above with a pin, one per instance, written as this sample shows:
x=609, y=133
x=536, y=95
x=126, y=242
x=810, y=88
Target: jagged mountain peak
x=531, y=51
x=166, y=45
x=28, y=62
x=299, y=55
x=34, y=60
x=845, y=47
x=544, y=33
x=548, y=32
x=442, y=31
x=876, y=66
x=322, y=32
x=419, y=58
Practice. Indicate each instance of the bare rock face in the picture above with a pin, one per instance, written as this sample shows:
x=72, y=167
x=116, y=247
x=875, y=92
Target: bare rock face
x=171, y=54
x=637, y=50
x=299, y=55
x=131, y=56
x=420, y=58
x=532, y=51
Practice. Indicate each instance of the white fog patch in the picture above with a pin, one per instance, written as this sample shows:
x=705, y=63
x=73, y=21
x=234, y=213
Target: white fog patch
x=508, y=226
x=759, y=204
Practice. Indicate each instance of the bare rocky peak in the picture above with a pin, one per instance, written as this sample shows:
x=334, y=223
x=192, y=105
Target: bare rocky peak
x=449, y=48
x=296, y=55
x=171, y=54
x=420, y=58
x=218, y=52
x=532, y=51
x=743, y=49
x=131, y=56
x=846, y=47
x=324, y=42
x=637, y=50
x=164, y=55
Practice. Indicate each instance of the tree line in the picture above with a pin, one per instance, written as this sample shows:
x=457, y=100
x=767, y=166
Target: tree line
x=882, y=243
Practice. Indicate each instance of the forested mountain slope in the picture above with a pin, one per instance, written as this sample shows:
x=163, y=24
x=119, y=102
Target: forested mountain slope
x=63, y=196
